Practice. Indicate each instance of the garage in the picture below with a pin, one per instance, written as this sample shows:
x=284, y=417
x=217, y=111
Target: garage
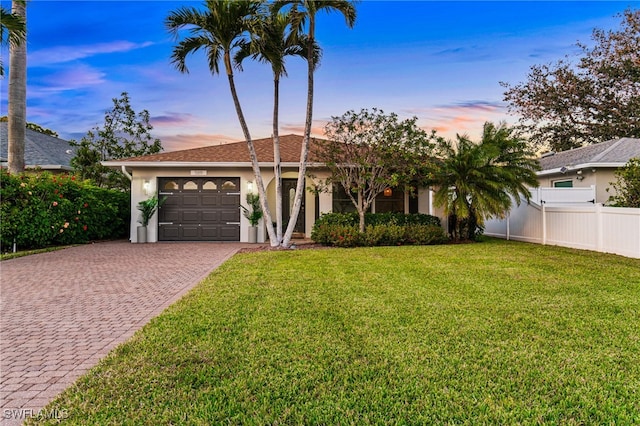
x=199, y=209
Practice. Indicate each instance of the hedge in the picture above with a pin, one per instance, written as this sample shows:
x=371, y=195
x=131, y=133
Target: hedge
x=41, y=210
x=381, y=229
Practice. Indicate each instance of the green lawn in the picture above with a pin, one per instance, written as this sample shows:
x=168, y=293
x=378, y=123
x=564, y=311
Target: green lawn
x=491, y=333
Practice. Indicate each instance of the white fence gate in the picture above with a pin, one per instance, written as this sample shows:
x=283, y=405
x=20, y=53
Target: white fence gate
x=584, y=226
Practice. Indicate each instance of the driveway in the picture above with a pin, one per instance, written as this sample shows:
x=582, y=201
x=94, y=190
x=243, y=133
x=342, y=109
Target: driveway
x=61, y=312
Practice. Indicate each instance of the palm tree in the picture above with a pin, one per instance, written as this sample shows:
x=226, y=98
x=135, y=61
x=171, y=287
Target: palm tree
x=271, y=44
x=15, y=28
x=304, y=12
x=220, y=30
x=478, y=181
x=17, y=96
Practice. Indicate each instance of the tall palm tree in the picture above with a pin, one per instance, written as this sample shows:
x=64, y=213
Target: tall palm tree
x=220, y=30
x=17, y=96
x=272, y=43
x=478, y=181
x=304, y=13
x=15, y=29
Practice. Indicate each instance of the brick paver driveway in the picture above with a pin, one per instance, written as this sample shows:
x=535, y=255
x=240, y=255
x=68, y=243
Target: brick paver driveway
x=62, y=311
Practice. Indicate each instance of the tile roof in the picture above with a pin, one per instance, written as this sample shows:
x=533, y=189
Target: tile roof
x=235, y=152
x=40, y=150
x=617, y=151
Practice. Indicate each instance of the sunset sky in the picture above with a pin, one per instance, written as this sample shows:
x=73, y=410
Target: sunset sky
x=439, y=61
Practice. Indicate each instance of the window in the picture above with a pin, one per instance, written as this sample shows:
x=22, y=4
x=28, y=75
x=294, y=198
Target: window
x=563, y=184
x=209, y=186
x=170, y=185
x=341, y=203
x=190, y=185
x=390, y=201
x=228, y=185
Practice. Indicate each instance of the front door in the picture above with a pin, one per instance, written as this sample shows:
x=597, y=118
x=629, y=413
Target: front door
x=288, y=198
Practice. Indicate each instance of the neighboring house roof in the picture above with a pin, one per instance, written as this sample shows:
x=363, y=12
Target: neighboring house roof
x=230, y=154
x=40, y=150
x=614, y=153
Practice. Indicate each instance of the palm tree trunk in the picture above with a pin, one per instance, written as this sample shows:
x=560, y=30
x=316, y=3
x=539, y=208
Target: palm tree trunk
x=17, y=97
x=252, y=152
x=304, y=152
x=277, y=169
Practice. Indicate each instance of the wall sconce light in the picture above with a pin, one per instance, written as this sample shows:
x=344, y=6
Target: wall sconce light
x=146, y=186
x=250, y=186
x=388, y=192
x=579, y=172
x=579, y=177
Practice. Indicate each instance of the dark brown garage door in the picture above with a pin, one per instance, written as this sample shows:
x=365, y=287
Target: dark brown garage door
x=199, y=209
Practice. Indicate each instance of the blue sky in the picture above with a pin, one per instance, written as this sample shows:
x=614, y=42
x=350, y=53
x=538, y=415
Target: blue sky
x=439, y=61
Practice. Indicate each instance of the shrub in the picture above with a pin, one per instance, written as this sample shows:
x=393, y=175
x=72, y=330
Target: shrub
x=382, y=229
x=424, y=234
x=40, y=210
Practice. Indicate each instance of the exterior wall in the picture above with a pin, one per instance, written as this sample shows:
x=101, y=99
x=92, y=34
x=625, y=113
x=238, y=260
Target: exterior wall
x=144, y=185
x=601, y=178
x=151, y=175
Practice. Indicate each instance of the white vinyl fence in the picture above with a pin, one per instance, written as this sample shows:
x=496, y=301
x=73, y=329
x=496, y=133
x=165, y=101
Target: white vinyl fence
x=584, y=226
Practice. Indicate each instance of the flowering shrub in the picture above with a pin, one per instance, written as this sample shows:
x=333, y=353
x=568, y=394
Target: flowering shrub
x=341, y=230
x=39, y=210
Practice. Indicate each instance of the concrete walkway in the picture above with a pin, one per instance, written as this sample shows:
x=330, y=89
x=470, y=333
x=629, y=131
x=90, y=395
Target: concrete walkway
x=61, y=312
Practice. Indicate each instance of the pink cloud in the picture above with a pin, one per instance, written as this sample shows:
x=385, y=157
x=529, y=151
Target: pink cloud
x=172, y=119
x=77, y=77
x=181, y=141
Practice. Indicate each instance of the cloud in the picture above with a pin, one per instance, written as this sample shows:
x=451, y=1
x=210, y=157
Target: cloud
x=78, y=77
x=463, y=117
x=317, y=129
x=172, y=119
x=62, y=54
x=187, y=141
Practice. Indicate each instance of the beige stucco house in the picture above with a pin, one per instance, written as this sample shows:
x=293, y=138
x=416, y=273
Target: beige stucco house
x=204, y=187
x=591, y=165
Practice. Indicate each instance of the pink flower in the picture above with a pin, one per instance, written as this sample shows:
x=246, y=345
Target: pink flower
x=84, y=228
x=55, y=203
x=66, y=224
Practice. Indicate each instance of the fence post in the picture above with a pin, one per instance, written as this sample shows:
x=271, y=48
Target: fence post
x=599, y=228
x=508, y=221
x=544, y=224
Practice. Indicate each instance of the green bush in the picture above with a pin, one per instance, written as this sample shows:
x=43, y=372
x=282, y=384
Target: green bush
x=352, y=218
x=384, y=229
x=41, y=210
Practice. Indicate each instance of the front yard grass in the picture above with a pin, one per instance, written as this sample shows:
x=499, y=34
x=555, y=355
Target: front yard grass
x=492, y=333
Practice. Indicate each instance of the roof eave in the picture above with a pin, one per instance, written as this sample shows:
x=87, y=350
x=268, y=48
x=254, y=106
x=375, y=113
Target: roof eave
x=581, y=166
x=199, y=164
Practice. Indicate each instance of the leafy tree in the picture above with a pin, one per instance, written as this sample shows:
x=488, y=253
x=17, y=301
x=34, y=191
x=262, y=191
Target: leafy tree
x=478, y=181
x=33, y=126
x=15, y=28
x=271, y=43
x=125, y=134
x=369, y=151
x=627, y=185
x=563, y=106
x=304, y=12
x=17, y=95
